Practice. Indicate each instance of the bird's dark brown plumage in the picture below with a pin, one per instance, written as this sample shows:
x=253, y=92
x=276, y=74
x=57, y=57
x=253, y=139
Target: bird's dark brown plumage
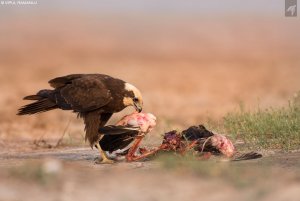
x=95, y=97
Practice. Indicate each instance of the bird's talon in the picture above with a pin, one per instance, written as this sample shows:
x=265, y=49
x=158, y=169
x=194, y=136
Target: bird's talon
x=104, y=161
x=107, y=161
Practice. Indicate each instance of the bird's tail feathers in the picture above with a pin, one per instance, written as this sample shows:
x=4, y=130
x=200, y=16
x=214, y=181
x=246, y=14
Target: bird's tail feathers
x=33, y=97
x=41, y=105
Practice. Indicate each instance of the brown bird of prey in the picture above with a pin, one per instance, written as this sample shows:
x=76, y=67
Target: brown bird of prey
x=95, y=97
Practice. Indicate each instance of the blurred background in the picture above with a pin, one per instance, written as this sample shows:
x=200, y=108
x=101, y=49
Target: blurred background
x=192, y=60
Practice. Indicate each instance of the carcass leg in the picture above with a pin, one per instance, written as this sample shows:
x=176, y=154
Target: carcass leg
x=190, y=146
x=148, y=153
x=133, y=148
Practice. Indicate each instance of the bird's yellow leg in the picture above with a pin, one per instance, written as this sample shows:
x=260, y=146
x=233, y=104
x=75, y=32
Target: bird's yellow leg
x=105, y=159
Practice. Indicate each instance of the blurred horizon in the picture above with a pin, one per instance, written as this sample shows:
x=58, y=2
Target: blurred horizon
x=157, y=29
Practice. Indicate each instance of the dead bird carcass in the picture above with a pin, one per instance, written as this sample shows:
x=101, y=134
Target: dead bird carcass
x=131, y=128
x=202, y=142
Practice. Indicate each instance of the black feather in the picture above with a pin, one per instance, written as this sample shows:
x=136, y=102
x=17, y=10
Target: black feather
x=196, y=133
x=117, y=137
x=116, y=130
x=247, y=156
x=37, y=107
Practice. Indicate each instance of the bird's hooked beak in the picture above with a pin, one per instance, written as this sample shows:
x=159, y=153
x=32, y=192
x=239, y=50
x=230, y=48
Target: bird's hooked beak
x=138, y=107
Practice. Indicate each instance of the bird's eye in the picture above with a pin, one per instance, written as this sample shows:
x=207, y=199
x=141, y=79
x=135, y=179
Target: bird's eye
x=135, y=99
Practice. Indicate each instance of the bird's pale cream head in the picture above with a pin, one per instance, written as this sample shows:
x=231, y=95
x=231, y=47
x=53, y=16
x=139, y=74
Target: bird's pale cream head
x=135, y=100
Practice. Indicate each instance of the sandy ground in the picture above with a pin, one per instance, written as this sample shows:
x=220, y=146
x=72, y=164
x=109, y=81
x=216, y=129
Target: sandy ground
x=188, y=68
x=70, y=174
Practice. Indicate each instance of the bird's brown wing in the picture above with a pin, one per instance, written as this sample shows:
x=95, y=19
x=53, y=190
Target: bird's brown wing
x=85, y=94
x=64, y=80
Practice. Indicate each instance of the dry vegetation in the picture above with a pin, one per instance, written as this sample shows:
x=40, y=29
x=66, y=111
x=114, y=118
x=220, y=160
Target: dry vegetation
x=271, y=128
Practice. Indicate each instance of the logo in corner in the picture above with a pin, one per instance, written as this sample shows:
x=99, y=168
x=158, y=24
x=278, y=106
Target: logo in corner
x=291, y=8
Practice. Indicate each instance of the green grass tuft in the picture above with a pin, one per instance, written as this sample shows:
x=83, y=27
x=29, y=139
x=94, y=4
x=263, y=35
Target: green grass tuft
x=269, y=128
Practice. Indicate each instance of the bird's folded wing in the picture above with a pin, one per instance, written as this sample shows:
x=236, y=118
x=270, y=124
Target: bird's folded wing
x=64, y=80
x=86, y=94
x=117, y=130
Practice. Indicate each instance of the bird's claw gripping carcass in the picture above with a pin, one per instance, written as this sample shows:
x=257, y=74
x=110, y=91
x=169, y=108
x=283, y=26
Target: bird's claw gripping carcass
x=134, y=127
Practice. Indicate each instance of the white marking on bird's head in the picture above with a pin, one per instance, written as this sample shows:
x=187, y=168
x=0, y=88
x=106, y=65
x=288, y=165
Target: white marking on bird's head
x=137, y=100
x=136, y=92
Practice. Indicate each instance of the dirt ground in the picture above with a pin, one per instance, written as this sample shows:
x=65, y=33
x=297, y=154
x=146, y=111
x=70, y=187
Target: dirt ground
x=70, y=174
x=189, y=70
